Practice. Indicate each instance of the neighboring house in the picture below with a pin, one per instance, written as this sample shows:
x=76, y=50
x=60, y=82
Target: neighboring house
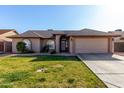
x=71, y=41
x=118, y=41
x=5, y=42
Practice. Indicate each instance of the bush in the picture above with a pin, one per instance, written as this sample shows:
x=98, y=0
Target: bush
x=71, y=80
x=45, y=49
x=28, y=51
x=42, y=79
x=21, y=47
x=53, y=52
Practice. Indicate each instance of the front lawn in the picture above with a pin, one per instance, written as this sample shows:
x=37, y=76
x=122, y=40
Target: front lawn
x=46, y=72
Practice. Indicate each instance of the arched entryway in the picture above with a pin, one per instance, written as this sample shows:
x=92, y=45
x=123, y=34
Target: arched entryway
x=28, y=44
x=51, y=44
x=64, y=44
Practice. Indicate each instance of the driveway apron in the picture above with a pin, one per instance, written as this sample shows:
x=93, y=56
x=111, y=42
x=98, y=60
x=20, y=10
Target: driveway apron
x=109, y=68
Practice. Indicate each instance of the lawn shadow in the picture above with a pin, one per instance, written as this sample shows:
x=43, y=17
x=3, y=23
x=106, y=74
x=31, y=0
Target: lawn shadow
x=51, y=58
x=54, y=58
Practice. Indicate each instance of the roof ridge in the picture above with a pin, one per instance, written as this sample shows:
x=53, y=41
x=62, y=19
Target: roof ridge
x=54, y=30
x=93, y=30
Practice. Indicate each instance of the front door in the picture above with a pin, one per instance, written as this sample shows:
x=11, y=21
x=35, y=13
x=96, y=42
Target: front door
x=64, y=45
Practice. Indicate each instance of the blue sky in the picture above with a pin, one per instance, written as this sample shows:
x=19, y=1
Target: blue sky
x=23, y=18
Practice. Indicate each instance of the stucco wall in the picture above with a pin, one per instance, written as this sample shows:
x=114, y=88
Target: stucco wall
x=71, y=45
x=111, y=45
x=35, y=44
x=14, y=43
x=57, y=43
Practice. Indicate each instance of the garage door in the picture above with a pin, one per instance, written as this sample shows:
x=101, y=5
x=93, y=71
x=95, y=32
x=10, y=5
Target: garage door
x=91, y=45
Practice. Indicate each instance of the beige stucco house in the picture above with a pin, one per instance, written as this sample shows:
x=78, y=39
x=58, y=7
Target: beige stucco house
x=5, y=42
x=70, y=41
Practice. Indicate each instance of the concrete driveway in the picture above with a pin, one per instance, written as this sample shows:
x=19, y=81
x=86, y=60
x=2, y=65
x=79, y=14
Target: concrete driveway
x=108, y=67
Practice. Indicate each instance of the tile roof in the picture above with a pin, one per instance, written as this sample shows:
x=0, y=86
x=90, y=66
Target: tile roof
x=88, y=32
x=2, y=31
x=49, y=34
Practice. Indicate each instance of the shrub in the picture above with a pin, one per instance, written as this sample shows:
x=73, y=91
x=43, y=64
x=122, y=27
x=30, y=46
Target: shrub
x=71, y=80
x=45, y=48
x=28, y=51
x=21, y=47
x=42, y=79
x=53, y=52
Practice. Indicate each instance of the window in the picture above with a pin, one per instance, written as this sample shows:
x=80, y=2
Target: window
x=28, y=43
x=51, y=44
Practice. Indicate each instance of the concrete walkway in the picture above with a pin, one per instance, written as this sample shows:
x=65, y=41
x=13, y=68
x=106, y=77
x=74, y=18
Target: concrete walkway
x=108, y=67
x=4, y=55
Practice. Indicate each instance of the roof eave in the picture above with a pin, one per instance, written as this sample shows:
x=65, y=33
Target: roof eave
x=28, y=37
x=95, y=35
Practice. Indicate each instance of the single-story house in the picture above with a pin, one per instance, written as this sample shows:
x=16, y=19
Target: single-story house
x=5, y=42
x=118, y=41
x=71, y=41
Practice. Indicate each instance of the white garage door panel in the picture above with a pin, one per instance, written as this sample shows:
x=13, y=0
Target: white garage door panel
x=91, y=45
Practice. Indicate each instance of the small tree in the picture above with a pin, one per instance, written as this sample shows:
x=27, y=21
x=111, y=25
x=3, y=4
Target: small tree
x=21, y=47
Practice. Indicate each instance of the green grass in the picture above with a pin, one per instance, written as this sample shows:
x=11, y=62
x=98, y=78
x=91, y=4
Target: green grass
x=65, y=72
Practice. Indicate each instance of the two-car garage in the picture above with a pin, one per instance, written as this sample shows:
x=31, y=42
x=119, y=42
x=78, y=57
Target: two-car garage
x=92, y=45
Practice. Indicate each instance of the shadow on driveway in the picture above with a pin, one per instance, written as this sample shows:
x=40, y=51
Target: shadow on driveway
x=98, y=57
